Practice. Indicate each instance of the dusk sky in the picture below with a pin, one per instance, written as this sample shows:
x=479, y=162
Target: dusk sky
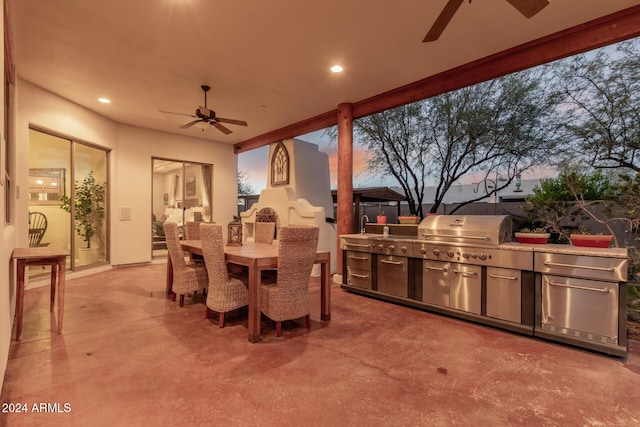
x=254, y=164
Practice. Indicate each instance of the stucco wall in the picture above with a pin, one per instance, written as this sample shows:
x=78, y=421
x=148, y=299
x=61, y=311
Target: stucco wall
x=130, y=170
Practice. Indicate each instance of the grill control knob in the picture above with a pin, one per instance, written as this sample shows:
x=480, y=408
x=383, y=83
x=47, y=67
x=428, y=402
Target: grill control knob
x=474, y=255
x=465, y=254
x=391, y=247
x=450, y=252
x=380, y=247
x=423, y=251
x=403, y=249
x=436, y=252
x=482, y=256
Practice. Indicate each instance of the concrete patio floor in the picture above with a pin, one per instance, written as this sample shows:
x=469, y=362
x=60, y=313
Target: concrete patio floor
x=129, y=357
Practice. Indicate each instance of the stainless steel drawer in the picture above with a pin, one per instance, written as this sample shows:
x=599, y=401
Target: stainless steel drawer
x=593, y=267
x=584, y=308
x=359, y=260
x=504, y=294
x=359, y=278
x=435, y=282
x=465, y=292
x=393, y=275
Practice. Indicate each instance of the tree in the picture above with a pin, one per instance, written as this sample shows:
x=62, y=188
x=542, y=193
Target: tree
x=244, y=188
x=601, y=105
x=496, y=128
x=89, y=207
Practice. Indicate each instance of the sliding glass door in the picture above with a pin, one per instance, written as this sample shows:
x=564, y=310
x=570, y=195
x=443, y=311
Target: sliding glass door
x=68, y=197
x=90, y=205
x=181, y=192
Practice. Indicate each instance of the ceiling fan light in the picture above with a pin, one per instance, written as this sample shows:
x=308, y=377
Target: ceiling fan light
x=336, y=69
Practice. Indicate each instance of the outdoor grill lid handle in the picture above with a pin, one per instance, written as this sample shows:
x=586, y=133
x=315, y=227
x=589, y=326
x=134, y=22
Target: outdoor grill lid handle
x=456, y=237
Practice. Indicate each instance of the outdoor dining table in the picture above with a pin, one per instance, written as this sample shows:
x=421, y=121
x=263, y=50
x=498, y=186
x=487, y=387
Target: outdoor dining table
x=258, y=257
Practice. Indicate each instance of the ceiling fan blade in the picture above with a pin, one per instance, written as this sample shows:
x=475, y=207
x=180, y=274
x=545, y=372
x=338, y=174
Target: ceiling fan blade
x=443, y=20
x=188, y=125
x=232, y=121
x=221, y=128
x=529, y=7
x=180, y=114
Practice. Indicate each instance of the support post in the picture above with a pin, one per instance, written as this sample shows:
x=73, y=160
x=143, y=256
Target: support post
x=345, y=176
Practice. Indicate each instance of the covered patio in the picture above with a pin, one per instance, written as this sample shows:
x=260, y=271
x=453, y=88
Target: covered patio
x=130, y=357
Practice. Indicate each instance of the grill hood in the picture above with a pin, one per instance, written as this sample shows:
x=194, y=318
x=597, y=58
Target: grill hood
x=469, y=230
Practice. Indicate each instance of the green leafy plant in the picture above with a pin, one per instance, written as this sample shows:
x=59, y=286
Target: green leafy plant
x=563, y=204
x=539, y=230
x=89, y=207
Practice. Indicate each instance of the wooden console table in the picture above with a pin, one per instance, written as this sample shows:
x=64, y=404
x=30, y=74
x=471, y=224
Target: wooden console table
x=56, y=258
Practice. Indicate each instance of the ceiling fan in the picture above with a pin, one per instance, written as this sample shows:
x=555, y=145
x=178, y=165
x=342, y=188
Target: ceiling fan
x=205, y=115
x=528, y=8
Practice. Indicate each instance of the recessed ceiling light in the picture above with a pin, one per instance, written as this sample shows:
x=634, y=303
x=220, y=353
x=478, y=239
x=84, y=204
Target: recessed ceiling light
x=336, y=69
x=104, y=100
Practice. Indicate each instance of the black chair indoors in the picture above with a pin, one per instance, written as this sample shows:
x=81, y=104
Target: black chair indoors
x=37, y=228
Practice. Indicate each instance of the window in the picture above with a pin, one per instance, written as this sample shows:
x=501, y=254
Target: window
x=280, y=165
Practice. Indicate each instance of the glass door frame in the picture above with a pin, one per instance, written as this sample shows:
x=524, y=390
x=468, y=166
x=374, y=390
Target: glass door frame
x=186, y=190
x=71, y=178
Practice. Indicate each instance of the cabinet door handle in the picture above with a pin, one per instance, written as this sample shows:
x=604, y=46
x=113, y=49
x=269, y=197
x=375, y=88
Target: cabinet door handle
x=384, y=261
x=355, y=245
x=465, y=273
x=498, y=276
x=360, y=276
x=584, y=288
x=435, y=268
x=586, y=267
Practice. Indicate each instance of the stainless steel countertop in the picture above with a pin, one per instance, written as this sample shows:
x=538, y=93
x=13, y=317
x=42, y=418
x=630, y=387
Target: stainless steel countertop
x=566, y=249
x=515, y=246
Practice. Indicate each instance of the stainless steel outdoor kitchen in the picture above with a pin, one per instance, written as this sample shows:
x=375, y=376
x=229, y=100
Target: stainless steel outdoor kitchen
x=466, y=266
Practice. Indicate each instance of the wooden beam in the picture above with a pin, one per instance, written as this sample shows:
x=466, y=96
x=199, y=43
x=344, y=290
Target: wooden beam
x=609, y=29
x=321, y=121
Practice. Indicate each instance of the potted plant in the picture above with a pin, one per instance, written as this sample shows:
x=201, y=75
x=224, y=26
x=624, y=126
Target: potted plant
x=537, y=236
x=584, y=239
x=410, y=219
x=89, y=207
x=382, y=217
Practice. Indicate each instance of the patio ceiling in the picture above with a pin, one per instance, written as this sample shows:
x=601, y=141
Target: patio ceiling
x=268, y=62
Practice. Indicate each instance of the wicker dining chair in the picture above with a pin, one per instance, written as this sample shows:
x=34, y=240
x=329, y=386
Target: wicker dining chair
x=192, y=232
x=225, y=293
x=187, y=278
x=264, y=232
x=288, y=298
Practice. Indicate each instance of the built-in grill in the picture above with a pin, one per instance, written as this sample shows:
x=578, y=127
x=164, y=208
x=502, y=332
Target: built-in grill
x=469, y=239
x=466, y=230
x=467, y=267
